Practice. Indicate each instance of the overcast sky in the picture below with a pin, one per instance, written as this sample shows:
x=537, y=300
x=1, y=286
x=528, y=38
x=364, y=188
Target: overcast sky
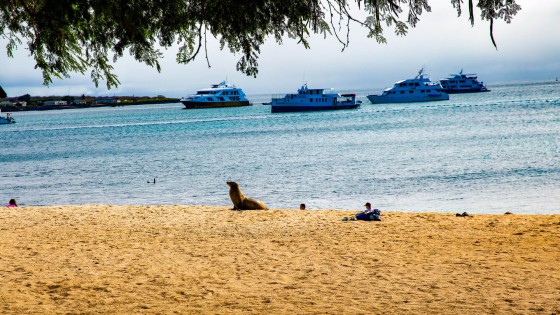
x=442, y=43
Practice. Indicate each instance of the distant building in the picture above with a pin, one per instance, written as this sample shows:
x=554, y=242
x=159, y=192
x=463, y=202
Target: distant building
x=12, y=102
x=55, y=102
x=79, y=102
x=105, y=101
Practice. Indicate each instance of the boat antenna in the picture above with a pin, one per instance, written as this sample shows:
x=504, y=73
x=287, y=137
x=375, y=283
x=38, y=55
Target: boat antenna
x=420, y=72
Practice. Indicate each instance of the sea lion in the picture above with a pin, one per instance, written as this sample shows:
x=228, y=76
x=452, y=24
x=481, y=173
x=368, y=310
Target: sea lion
x=240, y=202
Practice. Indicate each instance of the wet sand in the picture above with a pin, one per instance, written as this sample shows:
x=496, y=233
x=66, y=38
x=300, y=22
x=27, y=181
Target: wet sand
x=100, y=259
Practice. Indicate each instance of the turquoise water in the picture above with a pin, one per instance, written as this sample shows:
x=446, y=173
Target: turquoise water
x=482, y=153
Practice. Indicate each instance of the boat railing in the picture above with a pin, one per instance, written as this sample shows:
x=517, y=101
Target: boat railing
x=283, y=96
x=346, y=98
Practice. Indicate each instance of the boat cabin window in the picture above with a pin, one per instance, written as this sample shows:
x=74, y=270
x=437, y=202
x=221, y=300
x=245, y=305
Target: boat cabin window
x=402, y=92
x=411, y=91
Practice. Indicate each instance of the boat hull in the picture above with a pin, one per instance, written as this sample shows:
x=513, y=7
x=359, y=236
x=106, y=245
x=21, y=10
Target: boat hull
x=309, y=108
x=6, y=121
x=460, y=91
x=195, y=105
x=379, y=99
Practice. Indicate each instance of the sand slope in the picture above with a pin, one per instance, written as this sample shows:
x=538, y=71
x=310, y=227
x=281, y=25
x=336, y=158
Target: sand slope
x=98, y=259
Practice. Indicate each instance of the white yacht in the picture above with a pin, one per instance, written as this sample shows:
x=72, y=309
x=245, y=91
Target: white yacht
x=8, y=119
x=312, y=100
x=419, y=89
x=462, y=83
x=218, y=95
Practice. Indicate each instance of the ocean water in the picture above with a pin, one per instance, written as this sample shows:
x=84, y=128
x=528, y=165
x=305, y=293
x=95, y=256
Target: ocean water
x=481, y=153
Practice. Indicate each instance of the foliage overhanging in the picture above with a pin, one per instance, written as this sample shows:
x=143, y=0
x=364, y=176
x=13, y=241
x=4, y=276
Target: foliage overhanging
x=66, y=36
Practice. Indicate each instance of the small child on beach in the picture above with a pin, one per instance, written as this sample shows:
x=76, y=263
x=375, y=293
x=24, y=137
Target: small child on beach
x=12, y=203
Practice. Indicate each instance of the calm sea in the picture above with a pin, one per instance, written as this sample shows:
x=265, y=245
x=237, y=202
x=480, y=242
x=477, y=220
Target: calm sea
x=482, y=153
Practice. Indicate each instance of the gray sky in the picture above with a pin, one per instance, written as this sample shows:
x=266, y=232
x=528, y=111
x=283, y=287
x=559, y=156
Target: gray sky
x=442, y=43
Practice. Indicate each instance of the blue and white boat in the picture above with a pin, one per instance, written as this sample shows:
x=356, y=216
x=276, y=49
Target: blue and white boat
x=419, y=89
x=8, y=119
x=218, y=95
x=308, y=99
x=462, y=83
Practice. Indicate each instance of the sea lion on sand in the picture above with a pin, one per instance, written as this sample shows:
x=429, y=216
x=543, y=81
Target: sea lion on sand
x=240, y=202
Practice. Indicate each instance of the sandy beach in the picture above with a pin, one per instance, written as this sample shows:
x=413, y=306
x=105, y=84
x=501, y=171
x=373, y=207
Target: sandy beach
x=101, y=259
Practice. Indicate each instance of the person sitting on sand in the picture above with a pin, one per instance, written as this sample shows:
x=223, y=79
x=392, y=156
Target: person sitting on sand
x=12, y=203
x=369, y=214
x=302, y=206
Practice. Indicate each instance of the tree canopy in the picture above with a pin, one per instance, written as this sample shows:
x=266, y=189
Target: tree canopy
x=66, y=36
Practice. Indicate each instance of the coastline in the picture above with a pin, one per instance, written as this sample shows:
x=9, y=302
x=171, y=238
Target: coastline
x=204, y=259
x=76, y=106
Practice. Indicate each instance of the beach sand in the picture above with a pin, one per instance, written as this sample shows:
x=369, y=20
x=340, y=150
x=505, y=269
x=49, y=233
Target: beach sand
x=101, y=259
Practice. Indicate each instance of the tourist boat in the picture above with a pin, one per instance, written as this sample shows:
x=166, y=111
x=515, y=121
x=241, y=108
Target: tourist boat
x=462, y=83
x=8, y=119
x=419, y=89
x=312, y=100
x=218, y=95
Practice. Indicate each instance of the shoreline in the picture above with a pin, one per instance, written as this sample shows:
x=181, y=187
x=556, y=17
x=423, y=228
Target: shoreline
x=207, y=259
x=79, y=106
